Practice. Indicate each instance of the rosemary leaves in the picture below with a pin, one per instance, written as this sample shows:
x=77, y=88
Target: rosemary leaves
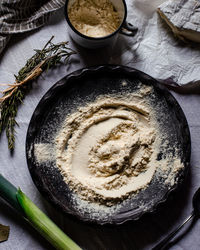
x=42, y=60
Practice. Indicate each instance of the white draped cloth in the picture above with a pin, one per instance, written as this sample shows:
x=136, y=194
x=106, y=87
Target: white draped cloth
x=153, y=50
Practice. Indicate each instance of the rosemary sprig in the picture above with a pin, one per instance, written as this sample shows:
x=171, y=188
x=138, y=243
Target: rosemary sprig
x=13, y=96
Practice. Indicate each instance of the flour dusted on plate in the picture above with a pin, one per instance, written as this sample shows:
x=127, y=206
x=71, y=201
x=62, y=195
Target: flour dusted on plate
x=108, y=149
x=94, y=18
x=43, y=152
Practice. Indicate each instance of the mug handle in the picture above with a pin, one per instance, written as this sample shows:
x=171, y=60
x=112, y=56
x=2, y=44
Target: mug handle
x=128, y=29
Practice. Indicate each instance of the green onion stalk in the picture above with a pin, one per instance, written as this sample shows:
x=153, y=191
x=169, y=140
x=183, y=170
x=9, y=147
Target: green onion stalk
x=31, y=213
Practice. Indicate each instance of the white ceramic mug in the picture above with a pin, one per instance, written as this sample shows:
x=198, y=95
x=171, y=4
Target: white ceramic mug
x=97, y=42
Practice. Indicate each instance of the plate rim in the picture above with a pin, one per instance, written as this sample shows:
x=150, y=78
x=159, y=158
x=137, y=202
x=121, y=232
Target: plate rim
x=109, y=67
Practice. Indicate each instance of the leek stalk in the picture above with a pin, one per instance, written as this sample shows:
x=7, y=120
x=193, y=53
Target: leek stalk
x=31, y=213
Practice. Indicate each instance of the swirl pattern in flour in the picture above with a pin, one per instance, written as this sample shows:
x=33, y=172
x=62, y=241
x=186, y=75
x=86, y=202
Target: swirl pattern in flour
x=106, y=150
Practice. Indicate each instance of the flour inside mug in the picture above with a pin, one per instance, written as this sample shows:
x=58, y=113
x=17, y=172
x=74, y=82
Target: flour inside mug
x=94, y=18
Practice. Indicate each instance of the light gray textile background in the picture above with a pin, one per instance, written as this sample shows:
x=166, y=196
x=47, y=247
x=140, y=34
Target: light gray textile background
x=142, y=234
x=155, y=50
x=18, y=16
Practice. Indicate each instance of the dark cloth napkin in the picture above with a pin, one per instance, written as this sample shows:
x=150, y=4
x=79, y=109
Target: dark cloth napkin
x=17, y=16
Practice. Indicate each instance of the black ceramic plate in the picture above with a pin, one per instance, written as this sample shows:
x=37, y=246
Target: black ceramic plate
x=77, y=89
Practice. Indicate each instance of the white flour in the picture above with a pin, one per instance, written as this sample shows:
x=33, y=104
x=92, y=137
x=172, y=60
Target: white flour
x=108, y=149
x=94, y=18
x=43, y=152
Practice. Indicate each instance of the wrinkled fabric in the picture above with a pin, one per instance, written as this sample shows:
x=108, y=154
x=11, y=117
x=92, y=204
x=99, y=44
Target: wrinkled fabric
x=17, y=16
x=155, y=50
x=137, y=235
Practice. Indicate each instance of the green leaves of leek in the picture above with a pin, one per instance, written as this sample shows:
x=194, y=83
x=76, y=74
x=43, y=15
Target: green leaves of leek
x=44, y=225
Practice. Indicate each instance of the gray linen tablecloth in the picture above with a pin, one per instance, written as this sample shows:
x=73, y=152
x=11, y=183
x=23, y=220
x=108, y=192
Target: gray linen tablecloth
x=142, y=234
x=19, y=16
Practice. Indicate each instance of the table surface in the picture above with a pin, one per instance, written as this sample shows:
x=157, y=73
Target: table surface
x=142, y=234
